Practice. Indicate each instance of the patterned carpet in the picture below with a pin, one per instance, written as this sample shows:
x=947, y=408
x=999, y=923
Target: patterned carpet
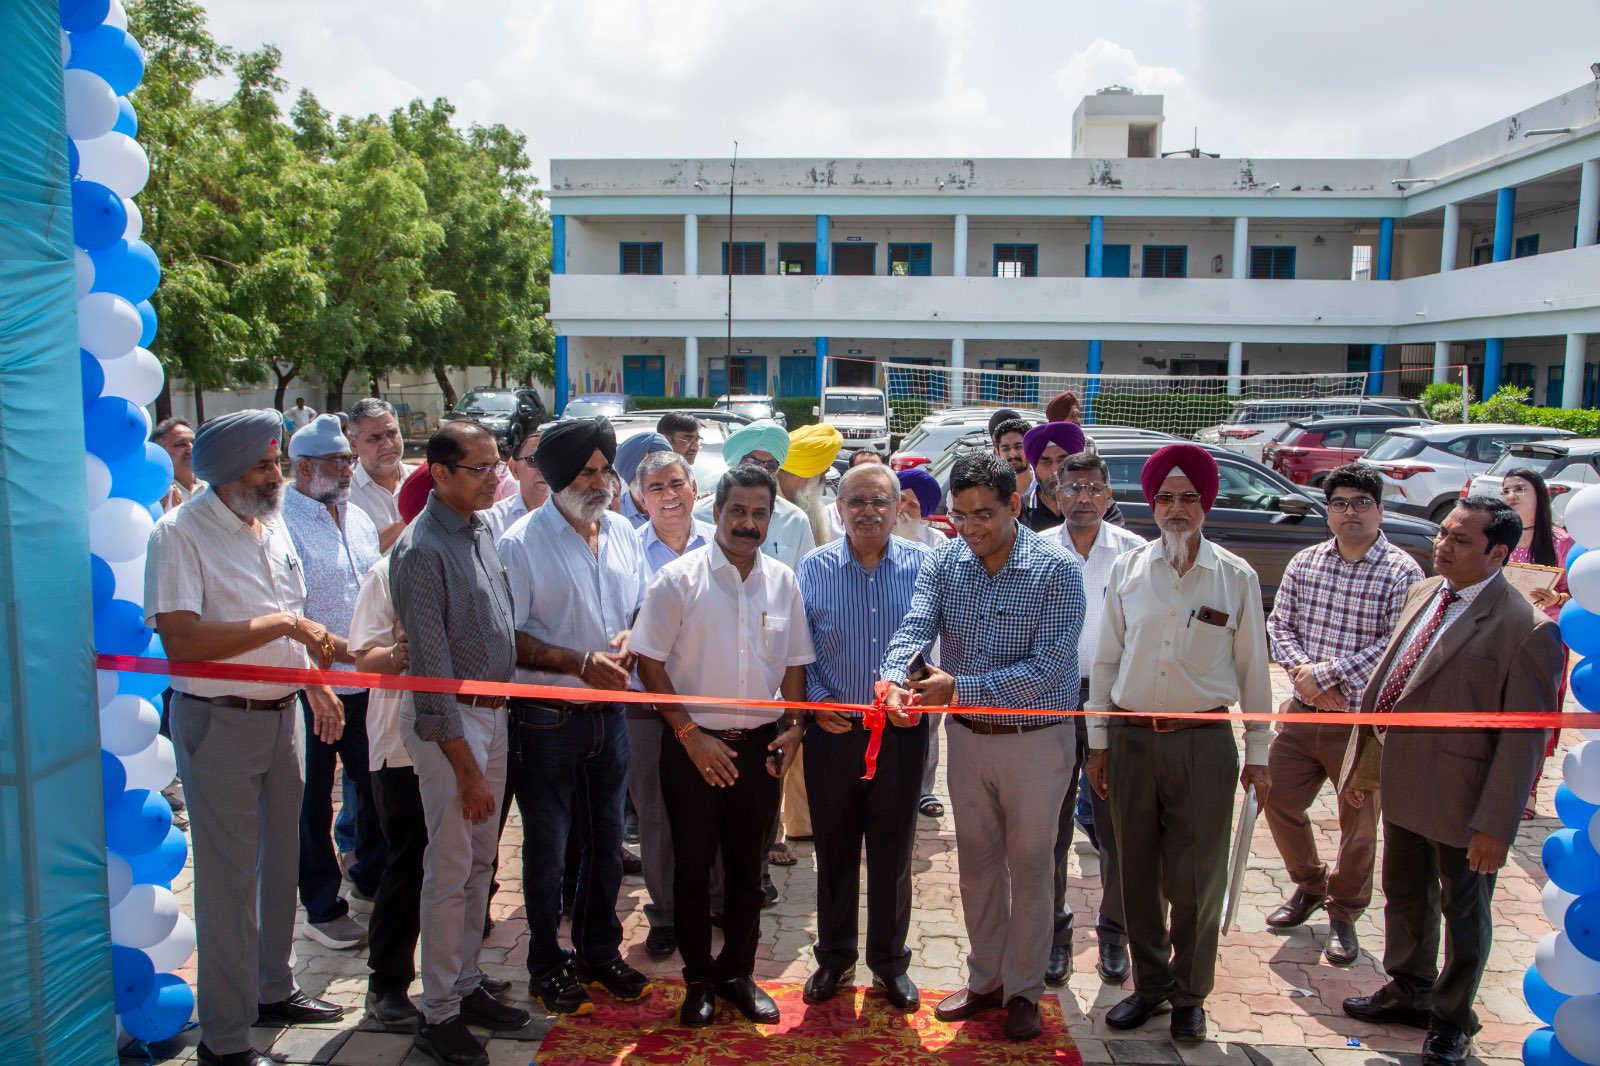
x=853, y=1029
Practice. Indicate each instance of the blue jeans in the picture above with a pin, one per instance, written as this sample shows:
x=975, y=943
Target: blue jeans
x=569, y=770
x=344, y=826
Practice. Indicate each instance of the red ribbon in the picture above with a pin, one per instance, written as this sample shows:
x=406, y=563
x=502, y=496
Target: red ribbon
x=873, y=720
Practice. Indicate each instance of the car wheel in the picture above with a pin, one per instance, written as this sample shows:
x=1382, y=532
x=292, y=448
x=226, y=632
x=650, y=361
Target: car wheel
x=1317, y=480
x=1441, y=512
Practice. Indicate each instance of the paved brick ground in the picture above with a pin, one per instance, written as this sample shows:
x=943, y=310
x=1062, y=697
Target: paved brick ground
x=1275, y=1001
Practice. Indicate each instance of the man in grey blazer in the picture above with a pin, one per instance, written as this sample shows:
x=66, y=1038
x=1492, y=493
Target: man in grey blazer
x=1467, y=642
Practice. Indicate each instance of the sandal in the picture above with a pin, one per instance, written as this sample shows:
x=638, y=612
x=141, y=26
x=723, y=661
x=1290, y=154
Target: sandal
x=1529, y=814
x=930, y=807
x=780, y=854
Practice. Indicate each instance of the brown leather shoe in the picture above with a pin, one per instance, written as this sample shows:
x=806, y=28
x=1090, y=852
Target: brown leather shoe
x=1296, y=910
x=1022, y=1019
x=961, y=1005
x=1341, y=948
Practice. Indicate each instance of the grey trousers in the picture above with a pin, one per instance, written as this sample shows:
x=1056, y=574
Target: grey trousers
x=930, y=767
x=243, y=778
x=1006, y=794
x=655, y=835
x=459, y=862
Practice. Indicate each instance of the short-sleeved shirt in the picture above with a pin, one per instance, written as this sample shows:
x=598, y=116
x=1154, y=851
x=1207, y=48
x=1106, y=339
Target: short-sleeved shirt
x=789, y=534
x=202, y=558
x=1110, y=543
x=299, y=417
x=375, y=625
x=381, y=505
x=334, y=556
x=658, y=553
x=722, y=636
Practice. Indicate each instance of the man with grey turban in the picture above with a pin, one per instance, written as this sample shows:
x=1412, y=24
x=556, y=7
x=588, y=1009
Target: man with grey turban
x=224, y=583
x=629, y=456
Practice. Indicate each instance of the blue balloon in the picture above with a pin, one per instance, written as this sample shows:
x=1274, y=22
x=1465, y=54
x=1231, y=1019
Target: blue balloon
x=1573, y=553
x=113, y=778
x=147, y=315
x=1586, y=683
x=72, y=161
x=1572, y=862
x=137, y=822
x=163, y=1013
x=132, y=974
x=120, y=629
x=1540, y=1049
x=156, y=511
x=1583, y=924
x=103, y=581
x=143, y=477
x=1580, y=629
x=113, y=427
x=111, y=53
x=1574, y=811
x=80, y=15
x=147, y=686
x=127, y=118
x=162, y=863
x=1542, y=999
x=93, y=376
x=127, y=268
x=156, y=649
x=98, y=215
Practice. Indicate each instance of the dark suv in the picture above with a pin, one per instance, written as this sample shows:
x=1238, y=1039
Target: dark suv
x=492, y=408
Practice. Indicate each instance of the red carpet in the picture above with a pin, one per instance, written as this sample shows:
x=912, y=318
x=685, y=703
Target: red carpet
x=850, y=1030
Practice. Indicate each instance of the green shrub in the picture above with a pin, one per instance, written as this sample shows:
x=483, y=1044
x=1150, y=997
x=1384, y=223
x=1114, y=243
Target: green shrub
x=667, y=403
x=1441, y=401
x=798, y=410
x=1509, y=404
x=1182, y=415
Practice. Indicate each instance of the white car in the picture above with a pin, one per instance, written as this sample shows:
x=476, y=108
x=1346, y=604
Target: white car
x=1565, y=465
x=1254, y=423
x=708, y=463
x=861, y=415
x=941, y=429
x=1424, y=467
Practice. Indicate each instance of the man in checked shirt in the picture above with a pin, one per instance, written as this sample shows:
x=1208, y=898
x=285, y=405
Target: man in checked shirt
x=1333, y=615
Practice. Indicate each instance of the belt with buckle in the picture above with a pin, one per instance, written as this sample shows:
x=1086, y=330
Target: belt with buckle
x=588, y=706
x=989, y=729
x=1194, y=720
x=246, y=703
x=734, y=736
x=482, y=701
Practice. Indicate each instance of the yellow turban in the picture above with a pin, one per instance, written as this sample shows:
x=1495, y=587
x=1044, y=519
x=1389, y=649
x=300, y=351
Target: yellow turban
x=812, y=449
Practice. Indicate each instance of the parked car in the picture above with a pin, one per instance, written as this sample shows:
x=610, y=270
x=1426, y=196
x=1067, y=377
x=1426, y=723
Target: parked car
x=1255, y=422
x=1305, y=451
x=709, y=465
x=1565, y=465
x=929, y=439
x=752, y=407
x=492, y=408
x=861, y=415
x=1424, y=467
x=1096, y=437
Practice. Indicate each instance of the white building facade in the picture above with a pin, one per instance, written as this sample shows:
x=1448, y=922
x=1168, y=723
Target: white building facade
x=1480, y=252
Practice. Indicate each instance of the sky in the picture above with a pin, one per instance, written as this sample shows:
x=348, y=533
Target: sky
x=942, y=78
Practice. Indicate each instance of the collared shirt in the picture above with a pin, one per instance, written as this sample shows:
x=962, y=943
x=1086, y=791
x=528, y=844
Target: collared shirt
x=1464, y=598
x=381, y=505
x=299, y=417
x=853, y=613
x=566, y=595
x=177, y=494
x=1110, y=543
x=722, y=636
x=632, y=511
x=202, y=558
x=375, y=625
x=335, y=556
x=1010, y=638
x=1340, y=615
x=1155, y=654
x=789, y=534
x=926, y=534
x=504, y=514
x=1037, y=516
x=658, y=553
x=451, y=595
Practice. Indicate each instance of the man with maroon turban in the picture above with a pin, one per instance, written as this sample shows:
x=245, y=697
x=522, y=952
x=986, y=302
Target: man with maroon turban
x=1182, y=637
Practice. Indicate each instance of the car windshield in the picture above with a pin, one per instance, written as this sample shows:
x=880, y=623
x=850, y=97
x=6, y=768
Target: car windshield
x=591, y=408
x=1395, y=446
x=749, y=408
x=477, y=403
x=1541, y=461
x=854, y=405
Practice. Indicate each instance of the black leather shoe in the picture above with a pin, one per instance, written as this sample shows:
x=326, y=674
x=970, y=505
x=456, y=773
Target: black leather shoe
x=824, y=984
x=480, y=1008
x=699, y=1005
x=1446, y=1045
x=746, y=995
x=232, y=1058
x=1134, y=1011
x=1385, y=1008
x=1113, y=964
x=1188, y=1024
x=392, y=1010
x=1022, y=1019
x=299, y=1007
x=1055, y=972
x=1341, y=948
x=958, y=1006
x=632, y=865
x=1296, y=909
x=451, y=1043
x=622, y=982
x=493, y=985
x=661, y=942
x=900, y=991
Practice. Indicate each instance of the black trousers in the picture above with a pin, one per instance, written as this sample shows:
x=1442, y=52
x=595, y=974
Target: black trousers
x=1062, y=929
x=735, y=819
x=847, y=812
x=396, y=922
x=319, y=866
x=1422, y=881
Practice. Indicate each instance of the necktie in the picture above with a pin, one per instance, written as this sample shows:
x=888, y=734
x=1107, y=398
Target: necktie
x=1390, y=694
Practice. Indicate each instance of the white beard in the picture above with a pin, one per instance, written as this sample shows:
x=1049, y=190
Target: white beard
x=809, y=499
x=261, y=504
x=583, y=506
x=326, y=489
x=909, y=528
x=1178, y=549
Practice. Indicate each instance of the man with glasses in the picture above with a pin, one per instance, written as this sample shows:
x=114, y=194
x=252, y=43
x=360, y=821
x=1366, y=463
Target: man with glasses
x=1335, y=609
x=682, y=431
x=375, y=435
x=1006, y=607
x=1083, y=489
x=856, y=590
x=522, y=440
x=1182, y=637
x=337, y=544
x=1044, y=447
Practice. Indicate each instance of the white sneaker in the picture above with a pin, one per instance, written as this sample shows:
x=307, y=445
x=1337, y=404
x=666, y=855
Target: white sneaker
x=360, y=902
x=341, y=933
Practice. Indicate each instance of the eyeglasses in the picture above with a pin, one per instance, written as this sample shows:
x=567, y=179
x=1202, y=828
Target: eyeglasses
x=1360, y=505
x=482, y=472
x=1516, y=490
x=677, y=484
x=977, y=518
x=343, y=462
x=1167, y=499
x=876, y=503
x=769, y=465
x=1092, y=489
x=685, y=440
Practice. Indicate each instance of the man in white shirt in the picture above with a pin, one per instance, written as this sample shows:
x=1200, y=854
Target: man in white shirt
x=532, y=490
x=176, y=436
x=375, y=436
x=765, y=444
x=725, y=620
x=299, y=416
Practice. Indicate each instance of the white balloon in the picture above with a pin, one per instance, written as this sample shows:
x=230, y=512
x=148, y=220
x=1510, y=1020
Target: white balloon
x=1582, y=769
x=91, y=106
x=135, y=228
x=106, y=685
x=129, y=577
x=108, y=326
x=1578, y=1028
x=119, y=529
x=153, y=768
x=136, y=378
x=119, y=877
x=127, y=726
x=174, y=951
x=144, y=918
x=116, y=16
x=1555, y=901
x=1594, y=830
x=1583, y=581
x=85, y=271
x=98, y=478
x=116, y=161
x=1583, y=516
x=1565, y=968
x=66, y=48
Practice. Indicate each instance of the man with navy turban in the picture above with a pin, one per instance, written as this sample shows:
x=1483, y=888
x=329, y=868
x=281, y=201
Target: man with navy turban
x=920, y=496
x=1045, y=446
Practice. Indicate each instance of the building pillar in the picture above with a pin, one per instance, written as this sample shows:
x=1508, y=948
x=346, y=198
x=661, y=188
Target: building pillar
x=1382, y=270
x=1505, y=211
x=691, y=366
x=558, y=265
x=1235, y=367
x=823, y=246
x=958, y=363
x=958, y=250
x=822, y=366
x=1449, y=249
x=1588, y=202
x=691, y=245
x=1240, y=272
x=1572, y=371
x=1097, y=269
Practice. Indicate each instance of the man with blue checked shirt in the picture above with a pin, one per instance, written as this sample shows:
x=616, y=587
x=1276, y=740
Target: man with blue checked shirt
x=856, y=591
x=1007, y=609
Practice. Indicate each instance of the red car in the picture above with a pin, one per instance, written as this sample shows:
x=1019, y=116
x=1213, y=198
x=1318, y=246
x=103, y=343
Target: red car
x=1305, y=451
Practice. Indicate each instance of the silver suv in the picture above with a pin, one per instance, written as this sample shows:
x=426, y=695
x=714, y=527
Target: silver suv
x=1424, y=467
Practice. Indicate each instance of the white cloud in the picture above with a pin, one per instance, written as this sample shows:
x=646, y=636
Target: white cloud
x=1105, y=63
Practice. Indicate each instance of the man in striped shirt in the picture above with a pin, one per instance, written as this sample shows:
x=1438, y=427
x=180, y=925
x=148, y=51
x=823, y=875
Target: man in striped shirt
x=856, y=590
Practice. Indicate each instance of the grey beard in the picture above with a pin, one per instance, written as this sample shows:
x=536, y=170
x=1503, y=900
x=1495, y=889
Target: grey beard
x=909, y=528
x=260, y=504
x=1177, y=548
x=809, y=499
x=583, y=506
x=328, y=490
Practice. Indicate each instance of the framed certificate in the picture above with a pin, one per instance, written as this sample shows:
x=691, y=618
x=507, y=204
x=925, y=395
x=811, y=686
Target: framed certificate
x=1525, y=577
